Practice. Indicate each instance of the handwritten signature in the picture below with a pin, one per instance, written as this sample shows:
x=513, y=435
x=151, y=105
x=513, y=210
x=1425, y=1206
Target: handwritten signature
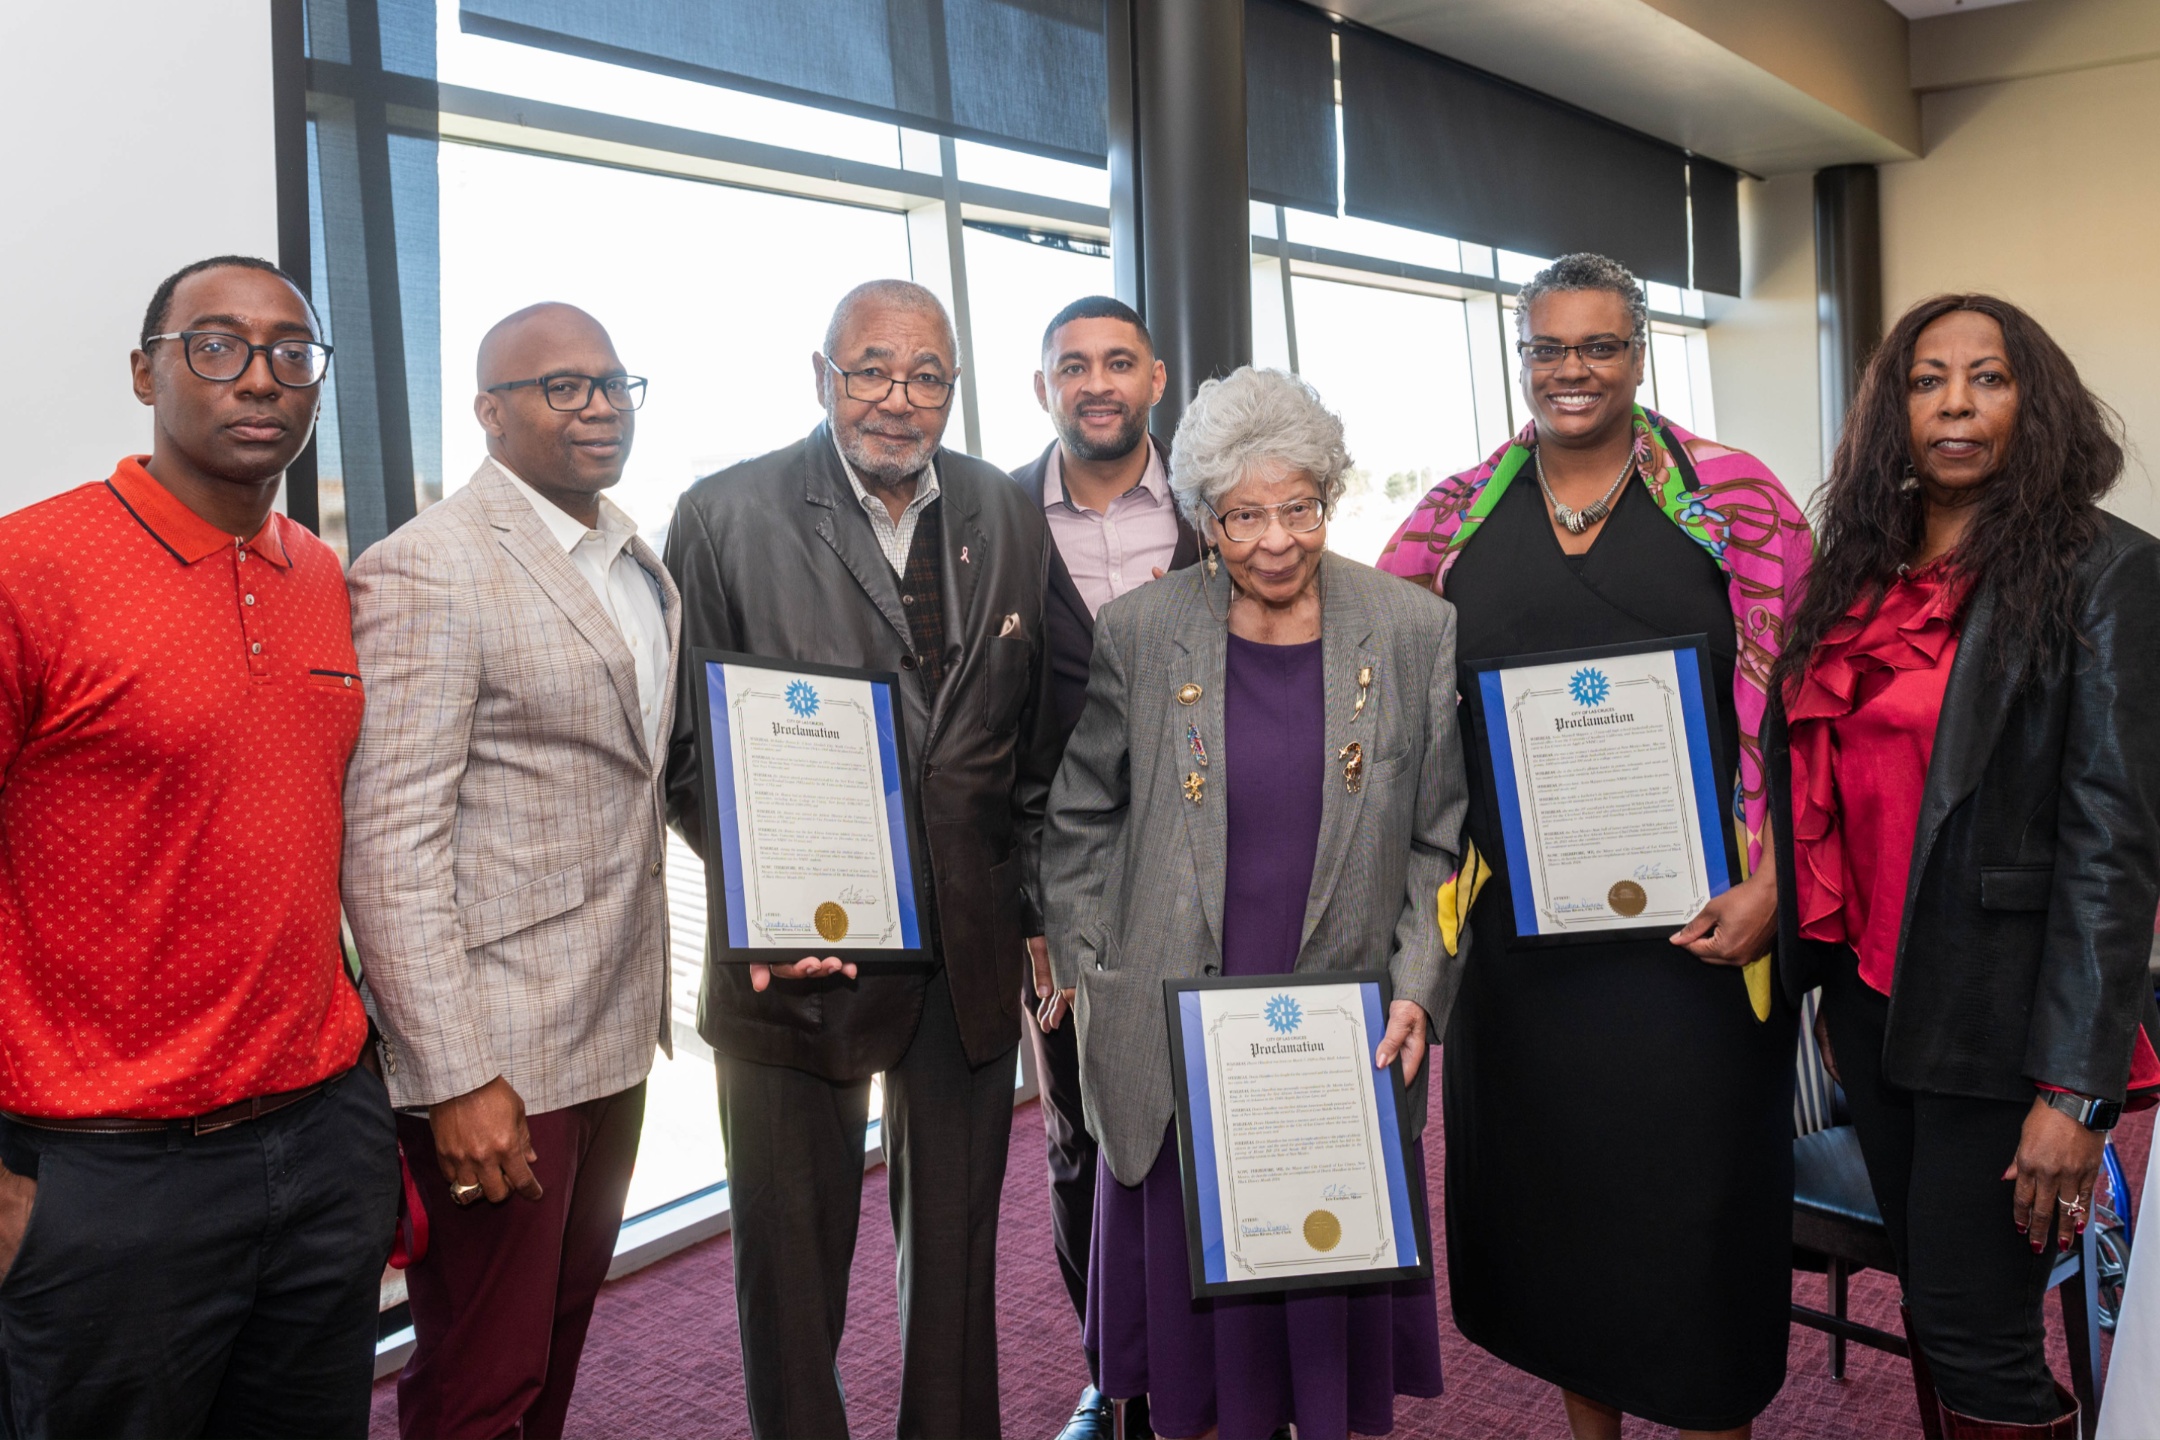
x=856, y=895
x=1341, y=1192
x=1655, y=871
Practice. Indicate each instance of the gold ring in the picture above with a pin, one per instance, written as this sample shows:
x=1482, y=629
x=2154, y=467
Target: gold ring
x=2073, y=1206
x=465, y=1194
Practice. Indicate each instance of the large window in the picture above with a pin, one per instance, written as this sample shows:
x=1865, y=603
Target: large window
x=712, y=231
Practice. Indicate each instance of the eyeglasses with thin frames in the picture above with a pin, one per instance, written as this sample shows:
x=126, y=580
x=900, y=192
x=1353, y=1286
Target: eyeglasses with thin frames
x=872, y=386
x=222, y=358
x=1247, y=523
x=1597, y=354
x=575, y=392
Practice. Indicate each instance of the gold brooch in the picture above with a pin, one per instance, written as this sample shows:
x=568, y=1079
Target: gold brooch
x=1188, y=694
x=1364, y=690
x=1353, y=770
x=1193, y=784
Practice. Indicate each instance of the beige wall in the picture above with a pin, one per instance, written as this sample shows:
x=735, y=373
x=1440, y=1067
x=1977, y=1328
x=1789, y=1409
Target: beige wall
x=110, y=188
x=2046, y=191
x=1762, y=347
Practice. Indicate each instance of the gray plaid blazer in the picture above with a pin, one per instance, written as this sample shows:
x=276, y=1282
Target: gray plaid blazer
x=1133, y=872
x=504, y=840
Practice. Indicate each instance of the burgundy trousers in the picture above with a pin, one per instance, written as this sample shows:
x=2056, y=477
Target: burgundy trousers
x=501, y=1302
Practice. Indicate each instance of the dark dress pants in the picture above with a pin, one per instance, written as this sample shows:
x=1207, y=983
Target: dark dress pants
x=503, y=1298
x=1070, y=1149
x=1972, y=1282
x=228, y=1284
x=795, y=1163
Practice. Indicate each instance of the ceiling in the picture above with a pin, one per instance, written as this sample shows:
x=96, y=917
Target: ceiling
x=1923, y=9
x=1769, y=86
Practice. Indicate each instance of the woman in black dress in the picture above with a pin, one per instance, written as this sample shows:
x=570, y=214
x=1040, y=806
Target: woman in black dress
x=1618, y=1113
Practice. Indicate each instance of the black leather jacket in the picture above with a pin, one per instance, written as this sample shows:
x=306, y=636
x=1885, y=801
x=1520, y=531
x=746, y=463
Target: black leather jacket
x=774, y=557
x=2028, y=923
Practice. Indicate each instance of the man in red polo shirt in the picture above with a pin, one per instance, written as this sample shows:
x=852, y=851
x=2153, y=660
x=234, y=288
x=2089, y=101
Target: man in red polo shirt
x=200, y=1183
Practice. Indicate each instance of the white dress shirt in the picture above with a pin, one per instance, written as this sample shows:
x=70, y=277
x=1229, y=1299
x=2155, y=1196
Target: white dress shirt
x=893, y=537
x=627, y=593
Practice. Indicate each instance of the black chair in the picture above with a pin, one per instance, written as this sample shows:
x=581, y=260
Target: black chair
x=1838, y=1231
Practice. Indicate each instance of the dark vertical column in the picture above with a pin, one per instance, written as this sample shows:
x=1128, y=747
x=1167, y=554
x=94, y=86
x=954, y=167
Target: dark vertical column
x=1848, y=287
x=1180, y=224
x=288, y=122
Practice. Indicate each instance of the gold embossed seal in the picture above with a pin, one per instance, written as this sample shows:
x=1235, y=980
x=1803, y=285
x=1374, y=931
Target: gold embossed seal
x=831, y=921
x=1626, y=898
x=1322, y=1230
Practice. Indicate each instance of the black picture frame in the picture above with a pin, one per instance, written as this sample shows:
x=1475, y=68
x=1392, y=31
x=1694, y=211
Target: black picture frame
x=1478, y=738
x=722, y=850
x=1196, y=1185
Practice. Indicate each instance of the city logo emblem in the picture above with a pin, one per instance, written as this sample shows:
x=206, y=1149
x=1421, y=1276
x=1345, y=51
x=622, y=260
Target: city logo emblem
x=802, y=698
x=1589, y=686
x=1284, y=1014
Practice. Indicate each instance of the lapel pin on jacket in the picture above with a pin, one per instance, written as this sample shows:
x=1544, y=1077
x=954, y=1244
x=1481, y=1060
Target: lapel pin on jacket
x=1364, y=690
x=1353, y=771
x=1188, y=694
x=1197, y=745
x=1194, y=783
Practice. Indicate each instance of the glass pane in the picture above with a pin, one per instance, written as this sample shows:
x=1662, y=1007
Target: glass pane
x=1014, y=287
x=1270, y=331
x=329, y=456
x=1674, y=398
x=727, y=295
x=481, y=63
x=1032, y=174
x=1371, y=237
x=1396, y=367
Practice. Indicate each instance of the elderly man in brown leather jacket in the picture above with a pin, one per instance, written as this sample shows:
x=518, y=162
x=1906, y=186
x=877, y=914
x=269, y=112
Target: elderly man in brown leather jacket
x=867, y=545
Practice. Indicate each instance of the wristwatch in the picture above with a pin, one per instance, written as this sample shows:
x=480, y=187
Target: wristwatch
x=2100, y=1115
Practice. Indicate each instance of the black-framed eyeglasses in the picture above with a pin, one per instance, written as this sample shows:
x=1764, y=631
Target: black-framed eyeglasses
x=220, y=357
x=1249, y=522
x=575, y=392
x=924, y=392
x=1597, y=354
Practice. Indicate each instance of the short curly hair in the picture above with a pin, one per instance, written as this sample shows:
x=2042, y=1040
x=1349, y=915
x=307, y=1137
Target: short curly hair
x=1585, y=271
x=1254, y=420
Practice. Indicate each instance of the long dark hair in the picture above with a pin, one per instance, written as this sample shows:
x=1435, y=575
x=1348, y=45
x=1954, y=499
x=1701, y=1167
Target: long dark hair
x=2033, y=520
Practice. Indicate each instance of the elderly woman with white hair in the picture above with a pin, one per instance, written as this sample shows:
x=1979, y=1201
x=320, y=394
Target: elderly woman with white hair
x=1266, y=778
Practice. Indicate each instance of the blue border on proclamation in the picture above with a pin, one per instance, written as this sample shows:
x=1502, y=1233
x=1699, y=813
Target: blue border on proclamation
x=896, y=816
x=1391, y=1147
x=1201, y=1107
x=1709, y=812
x=1509, y=799
x=724, y=789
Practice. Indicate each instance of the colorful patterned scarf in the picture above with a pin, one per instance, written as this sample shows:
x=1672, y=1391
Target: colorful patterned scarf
x=1734, y=508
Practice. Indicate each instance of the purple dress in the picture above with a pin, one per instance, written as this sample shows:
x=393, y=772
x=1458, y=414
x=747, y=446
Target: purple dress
x=1329, y=1361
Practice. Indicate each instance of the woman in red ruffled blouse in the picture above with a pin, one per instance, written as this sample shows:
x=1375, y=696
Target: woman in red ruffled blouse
x=1971, y=788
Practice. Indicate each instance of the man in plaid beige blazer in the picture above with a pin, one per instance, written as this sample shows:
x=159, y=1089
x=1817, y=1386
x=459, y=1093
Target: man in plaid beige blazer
x=504, y=851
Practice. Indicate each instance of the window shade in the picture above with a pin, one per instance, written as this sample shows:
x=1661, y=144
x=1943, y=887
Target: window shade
x=1436, y=145
x=1714, y=206
x=1031, y=74
x=1290, y=104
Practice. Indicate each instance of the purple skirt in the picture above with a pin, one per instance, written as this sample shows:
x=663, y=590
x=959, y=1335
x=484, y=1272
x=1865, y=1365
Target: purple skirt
x=1329, y=1361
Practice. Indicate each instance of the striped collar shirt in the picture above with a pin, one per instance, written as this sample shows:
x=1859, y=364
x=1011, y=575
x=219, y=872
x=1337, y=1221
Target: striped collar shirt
x=893, y=536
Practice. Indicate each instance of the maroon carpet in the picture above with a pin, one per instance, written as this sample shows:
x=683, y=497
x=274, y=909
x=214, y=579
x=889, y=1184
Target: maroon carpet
x=663, y=1359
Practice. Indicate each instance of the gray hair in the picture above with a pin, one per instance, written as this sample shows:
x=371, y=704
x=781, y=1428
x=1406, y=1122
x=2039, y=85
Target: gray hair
x=1254, y=421
x=1585, y=271
x=900, y=295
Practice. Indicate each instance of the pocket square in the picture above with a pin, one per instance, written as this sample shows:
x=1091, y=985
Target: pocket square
x=1011, y=627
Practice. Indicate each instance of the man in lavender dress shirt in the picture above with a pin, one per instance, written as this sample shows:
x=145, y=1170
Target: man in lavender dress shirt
x=1104, y=485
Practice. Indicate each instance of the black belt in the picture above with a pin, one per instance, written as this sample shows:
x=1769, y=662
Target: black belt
x=215, y=1120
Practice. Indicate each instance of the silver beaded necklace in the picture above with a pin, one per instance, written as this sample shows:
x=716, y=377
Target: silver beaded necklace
x=1577, y=521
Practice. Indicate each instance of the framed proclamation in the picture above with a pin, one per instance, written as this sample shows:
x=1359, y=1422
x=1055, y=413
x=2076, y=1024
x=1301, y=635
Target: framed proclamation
x=1293, y=1145
x=807, y=818
x=1599, y=766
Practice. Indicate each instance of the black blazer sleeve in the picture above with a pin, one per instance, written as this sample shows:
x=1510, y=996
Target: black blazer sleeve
x=2093, y=983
